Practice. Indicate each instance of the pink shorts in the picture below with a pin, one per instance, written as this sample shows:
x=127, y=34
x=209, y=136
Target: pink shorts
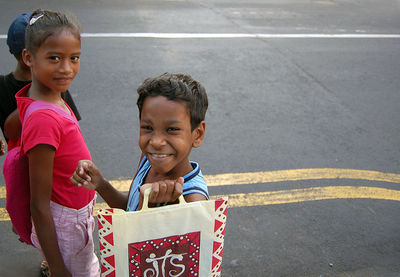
x=75, y=239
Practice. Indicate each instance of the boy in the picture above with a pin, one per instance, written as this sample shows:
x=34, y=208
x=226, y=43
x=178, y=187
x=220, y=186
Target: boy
x=172, y=110
x=13, y=82
x=2, y=144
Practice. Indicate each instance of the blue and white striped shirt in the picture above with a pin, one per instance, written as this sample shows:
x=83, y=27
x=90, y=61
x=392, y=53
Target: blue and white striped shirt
x=194, y=183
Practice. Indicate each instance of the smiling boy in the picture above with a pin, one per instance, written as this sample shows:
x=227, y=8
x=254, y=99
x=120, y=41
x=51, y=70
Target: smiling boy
x=172, y=110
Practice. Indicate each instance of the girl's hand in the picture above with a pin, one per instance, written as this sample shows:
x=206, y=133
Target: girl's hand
x=167, y=191
x=87, y=175
x=2, y=145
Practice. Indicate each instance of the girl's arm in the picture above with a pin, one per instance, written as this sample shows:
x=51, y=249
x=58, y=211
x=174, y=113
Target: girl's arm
x=87, y=175
x=41, y=159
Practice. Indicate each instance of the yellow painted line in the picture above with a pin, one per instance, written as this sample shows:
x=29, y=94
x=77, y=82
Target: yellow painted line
x=4, y=215
x=277, y=176
x=291, y=196
x=310, y=194
x=260, y=177
x=299, y=174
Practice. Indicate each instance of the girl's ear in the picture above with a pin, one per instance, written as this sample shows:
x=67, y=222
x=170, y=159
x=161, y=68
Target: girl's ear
x=198, y=134
x=27, y=57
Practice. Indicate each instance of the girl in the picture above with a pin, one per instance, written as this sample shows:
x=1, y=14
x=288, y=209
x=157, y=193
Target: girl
x=61, y=212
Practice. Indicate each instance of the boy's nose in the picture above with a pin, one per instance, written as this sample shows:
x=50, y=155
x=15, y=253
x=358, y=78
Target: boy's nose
x=157, y=141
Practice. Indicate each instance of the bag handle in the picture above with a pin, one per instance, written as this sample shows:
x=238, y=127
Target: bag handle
x=145, y=205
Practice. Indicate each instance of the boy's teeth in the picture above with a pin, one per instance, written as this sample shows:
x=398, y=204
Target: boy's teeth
x=160, y=155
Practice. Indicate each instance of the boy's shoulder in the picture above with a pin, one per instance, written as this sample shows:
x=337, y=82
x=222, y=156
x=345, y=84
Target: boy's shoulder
x=194, y=181
x=3, y=84
x=194, y=173
x=8, y=102
x=9, y=86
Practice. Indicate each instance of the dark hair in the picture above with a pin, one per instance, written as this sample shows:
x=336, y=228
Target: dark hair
x=18, y=56
x=45, y=23
x=176, y=87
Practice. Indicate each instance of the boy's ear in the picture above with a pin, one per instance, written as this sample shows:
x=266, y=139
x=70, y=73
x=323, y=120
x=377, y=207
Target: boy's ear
x=27, y=57
x=198, y=134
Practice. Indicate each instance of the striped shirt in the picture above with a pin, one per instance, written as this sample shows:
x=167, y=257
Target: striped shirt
x=193, y=183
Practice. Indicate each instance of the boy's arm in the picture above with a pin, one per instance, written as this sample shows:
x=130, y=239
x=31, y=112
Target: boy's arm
x=41, y=159
x=87, y=175
x=13, y=126
x=192, y=197
x=2, y=145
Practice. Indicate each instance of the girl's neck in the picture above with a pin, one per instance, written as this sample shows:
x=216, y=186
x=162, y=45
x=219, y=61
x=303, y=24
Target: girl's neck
x=37, y=92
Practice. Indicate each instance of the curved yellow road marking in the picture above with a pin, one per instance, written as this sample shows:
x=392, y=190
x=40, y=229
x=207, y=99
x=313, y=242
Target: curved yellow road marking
x=302, y=195
x=310, y=194
x=260, y=177
x=287, y=196
x=291, y=196
x=277, y=176
x=299, y=174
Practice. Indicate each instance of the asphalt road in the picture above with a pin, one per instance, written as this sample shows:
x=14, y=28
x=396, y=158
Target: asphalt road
x=276, y=103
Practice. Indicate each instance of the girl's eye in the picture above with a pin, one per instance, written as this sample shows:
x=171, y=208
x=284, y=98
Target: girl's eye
x=146, y=128
x=54, y=58
x=75, y=58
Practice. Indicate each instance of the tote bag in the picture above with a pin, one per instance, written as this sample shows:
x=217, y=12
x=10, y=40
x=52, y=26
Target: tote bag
x=184, y=239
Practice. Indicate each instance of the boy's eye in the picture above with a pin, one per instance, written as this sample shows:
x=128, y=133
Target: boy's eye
x=172, y=129
x=146, y=127
x=54, y=58
x=75, y=58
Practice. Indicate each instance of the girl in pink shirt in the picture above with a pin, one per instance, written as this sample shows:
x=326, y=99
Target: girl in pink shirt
x=61, y=212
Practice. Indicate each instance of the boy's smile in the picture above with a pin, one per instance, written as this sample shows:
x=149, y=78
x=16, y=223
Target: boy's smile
x=166, y=137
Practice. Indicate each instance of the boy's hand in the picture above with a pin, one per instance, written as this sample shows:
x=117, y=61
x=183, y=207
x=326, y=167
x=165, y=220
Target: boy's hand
x=167, y=191
x=87, y=175
x=2, y=145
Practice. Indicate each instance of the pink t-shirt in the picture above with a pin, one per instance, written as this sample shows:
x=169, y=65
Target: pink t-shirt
x=48, y=127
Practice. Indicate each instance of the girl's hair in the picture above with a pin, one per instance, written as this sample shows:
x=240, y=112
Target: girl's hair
x=177, y=87
x=45, y=23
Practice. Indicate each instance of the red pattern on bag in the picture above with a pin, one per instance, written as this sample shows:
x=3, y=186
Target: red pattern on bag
x=221, y=209
x=170, y=256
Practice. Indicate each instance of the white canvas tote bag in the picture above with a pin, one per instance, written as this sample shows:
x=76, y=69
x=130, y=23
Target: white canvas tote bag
x=184, y=239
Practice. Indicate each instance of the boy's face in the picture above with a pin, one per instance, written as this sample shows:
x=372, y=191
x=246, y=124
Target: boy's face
x=166, y=137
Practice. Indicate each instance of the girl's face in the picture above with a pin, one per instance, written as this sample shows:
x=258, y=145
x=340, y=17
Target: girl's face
x=56, y=62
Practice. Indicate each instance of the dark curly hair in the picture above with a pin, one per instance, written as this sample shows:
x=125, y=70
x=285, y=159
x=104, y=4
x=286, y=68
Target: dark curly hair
x=176, y=87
